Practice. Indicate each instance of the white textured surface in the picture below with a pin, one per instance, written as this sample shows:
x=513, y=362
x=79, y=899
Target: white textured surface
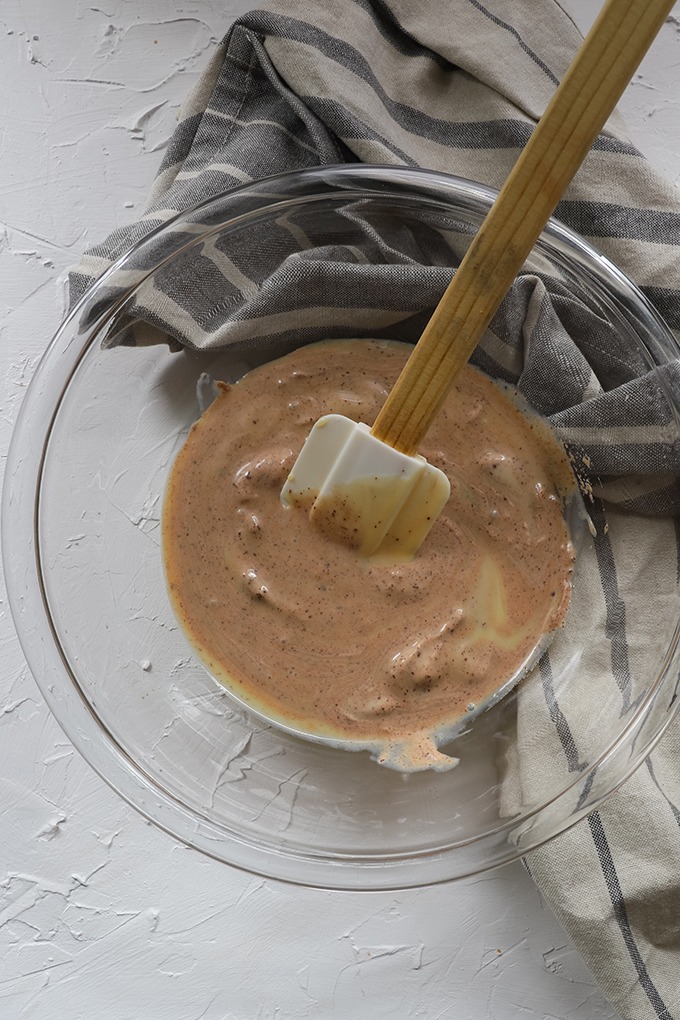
x=101, y=914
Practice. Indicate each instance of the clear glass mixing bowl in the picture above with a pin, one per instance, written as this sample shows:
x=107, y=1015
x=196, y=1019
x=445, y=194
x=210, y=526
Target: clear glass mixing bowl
x=96, y=437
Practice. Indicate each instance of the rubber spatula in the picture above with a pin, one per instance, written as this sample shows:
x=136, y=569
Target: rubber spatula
x=368, y=486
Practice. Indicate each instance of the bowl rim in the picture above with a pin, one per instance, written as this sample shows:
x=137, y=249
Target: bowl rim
x=33, y=622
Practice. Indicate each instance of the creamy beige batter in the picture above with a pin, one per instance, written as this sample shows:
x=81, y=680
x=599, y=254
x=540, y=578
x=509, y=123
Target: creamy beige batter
x=303, y=629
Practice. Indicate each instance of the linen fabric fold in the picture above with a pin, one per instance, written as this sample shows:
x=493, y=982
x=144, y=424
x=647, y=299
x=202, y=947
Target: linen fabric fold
x=456, y=86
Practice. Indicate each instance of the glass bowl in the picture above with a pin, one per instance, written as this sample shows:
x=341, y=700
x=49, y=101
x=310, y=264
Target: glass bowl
x=95, y=440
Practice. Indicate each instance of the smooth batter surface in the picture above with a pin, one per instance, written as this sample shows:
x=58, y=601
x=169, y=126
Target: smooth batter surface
x=305, y=630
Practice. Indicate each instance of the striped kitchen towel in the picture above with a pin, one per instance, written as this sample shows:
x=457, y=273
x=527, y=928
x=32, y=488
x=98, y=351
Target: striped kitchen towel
x=456, y=86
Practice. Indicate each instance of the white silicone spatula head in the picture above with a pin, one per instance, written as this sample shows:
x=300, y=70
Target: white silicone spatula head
x=364, y=492
x=365, y=506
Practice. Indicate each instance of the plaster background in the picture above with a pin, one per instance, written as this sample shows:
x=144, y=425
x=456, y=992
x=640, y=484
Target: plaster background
x=101, y=914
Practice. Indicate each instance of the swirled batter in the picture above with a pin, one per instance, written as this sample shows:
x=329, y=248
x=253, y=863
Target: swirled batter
x=304, y=630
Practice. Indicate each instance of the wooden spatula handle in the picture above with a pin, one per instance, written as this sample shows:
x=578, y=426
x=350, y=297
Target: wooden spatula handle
x=592, y=86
